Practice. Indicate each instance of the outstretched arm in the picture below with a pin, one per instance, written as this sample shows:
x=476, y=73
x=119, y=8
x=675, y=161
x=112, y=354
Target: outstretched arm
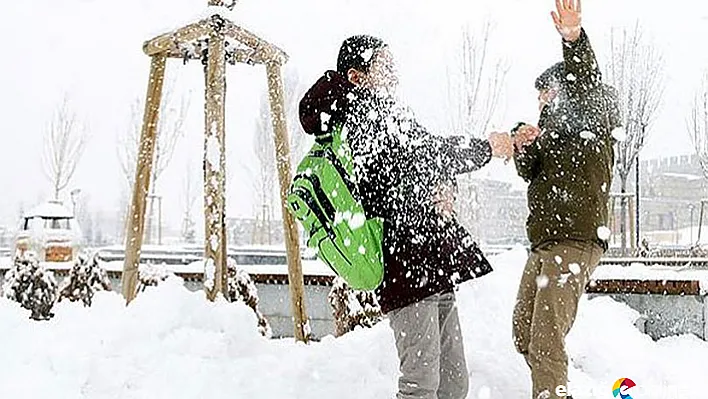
x=583, y=72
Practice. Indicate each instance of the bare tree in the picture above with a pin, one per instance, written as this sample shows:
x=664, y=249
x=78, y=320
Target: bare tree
x=635, y=70
x=698, y=123
x=475, y=81
x=170, y=128
x=264, y=175
x=190, y=195
x=698, y=127
x=64, y=144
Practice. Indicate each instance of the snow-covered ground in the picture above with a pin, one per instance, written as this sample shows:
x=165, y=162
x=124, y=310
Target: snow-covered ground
x=171, y=343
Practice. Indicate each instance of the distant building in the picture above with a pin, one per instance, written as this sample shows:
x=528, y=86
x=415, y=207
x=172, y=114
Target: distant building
x=246, y=231
x=497, y=211
x=671, y=190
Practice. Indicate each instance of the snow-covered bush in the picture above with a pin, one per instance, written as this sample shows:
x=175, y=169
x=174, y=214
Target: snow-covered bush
x=150, y=275
x=240, y=287
x=32, y=286
x=85, y=279
x=352, y=308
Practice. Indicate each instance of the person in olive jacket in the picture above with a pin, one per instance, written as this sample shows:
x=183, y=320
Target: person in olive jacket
x=568, y=162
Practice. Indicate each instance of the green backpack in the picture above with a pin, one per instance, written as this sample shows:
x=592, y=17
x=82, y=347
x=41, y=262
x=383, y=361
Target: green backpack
x=324, y=198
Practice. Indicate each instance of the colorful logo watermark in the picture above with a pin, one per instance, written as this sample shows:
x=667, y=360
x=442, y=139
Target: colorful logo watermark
x=621, y=386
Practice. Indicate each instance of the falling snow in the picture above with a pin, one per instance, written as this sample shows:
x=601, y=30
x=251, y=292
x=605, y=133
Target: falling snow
x=619, y=134
x=603, y=233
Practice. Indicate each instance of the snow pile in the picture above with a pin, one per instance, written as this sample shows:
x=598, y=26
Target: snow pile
x=32, y=286
x=240, y=288
x=86, y=278
x=352, y=309
x=604, y=345
x=172, y=343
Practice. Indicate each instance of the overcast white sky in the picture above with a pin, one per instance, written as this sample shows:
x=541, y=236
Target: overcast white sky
x=91, y=50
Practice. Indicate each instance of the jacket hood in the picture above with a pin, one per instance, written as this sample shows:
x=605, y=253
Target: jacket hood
x=324, y=106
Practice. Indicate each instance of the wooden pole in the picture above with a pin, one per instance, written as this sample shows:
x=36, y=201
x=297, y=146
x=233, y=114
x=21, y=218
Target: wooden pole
x=282, y=149
x=214, y=173
x=141, y=186
x=700, y=223
x=611, y=217
x=632, y=225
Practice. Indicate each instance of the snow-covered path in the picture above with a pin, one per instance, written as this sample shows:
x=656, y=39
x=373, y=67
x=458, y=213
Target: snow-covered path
x=173, y=344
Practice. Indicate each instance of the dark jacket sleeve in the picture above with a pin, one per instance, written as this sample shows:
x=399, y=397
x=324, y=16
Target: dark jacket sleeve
x=454, y=154
x=465, y=155
x=528, y=163
x=583, y=72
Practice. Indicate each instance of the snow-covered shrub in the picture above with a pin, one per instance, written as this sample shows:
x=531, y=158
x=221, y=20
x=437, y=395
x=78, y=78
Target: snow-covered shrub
x=240, y=287
x=150, y=275
x=85, y=279
x=352, y=308
x=32, y=286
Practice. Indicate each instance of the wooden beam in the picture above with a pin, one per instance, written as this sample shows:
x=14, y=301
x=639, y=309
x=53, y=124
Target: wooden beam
x=632, y=227
x=170, y=41
x=243, y=56
x=657, y=287
x=265, y=50
x=282, y=147
x=143, y=171
x=214, y=166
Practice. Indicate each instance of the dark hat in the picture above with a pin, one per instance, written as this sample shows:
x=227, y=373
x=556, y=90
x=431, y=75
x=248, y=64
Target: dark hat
x=325, y=104
x=551, y=77
x=357, y=53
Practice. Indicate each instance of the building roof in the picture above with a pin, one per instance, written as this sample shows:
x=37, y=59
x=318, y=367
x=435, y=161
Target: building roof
x=51, y=209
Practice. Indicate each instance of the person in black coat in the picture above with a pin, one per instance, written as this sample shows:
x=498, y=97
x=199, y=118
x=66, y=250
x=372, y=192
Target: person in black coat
x=406, y=176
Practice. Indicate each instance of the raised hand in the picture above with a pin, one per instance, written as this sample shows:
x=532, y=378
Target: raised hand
x=567, y=19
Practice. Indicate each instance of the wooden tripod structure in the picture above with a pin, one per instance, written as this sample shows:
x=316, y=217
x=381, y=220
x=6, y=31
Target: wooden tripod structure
x=216, y=41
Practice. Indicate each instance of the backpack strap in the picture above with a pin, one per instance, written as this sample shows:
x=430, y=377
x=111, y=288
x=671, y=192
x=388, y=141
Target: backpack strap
x=316, y=209
x=328, y=154
x=326, y=205
x=324, y=139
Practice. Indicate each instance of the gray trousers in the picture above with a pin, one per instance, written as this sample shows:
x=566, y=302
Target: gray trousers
x=429, y=344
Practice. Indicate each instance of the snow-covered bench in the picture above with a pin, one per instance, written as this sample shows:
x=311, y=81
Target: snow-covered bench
x=671, y=299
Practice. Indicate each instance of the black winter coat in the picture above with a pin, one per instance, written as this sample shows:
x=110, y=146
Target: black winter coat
x=397, y=165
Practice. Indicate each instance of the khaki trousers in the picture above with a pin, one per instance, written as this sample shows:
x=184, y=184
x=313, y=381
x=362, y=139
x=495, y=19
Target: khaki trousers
x=547, y=303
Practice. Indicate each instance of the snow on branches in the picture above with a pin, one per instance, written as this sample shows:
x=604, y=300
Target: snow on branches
x=150, y=275
x=240, y=288
x=32, y=286
x=85, y=278
x=351, y=308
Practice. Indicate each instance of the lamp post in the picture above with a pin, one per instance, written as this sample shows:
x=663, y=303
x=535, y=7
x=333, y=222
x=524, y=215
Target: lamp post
x=74, y=194
x=691, y=208
x=636, y=201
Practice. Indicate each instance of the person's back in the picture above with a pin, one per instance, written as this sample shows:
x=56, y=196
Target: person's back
x=399, y=166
